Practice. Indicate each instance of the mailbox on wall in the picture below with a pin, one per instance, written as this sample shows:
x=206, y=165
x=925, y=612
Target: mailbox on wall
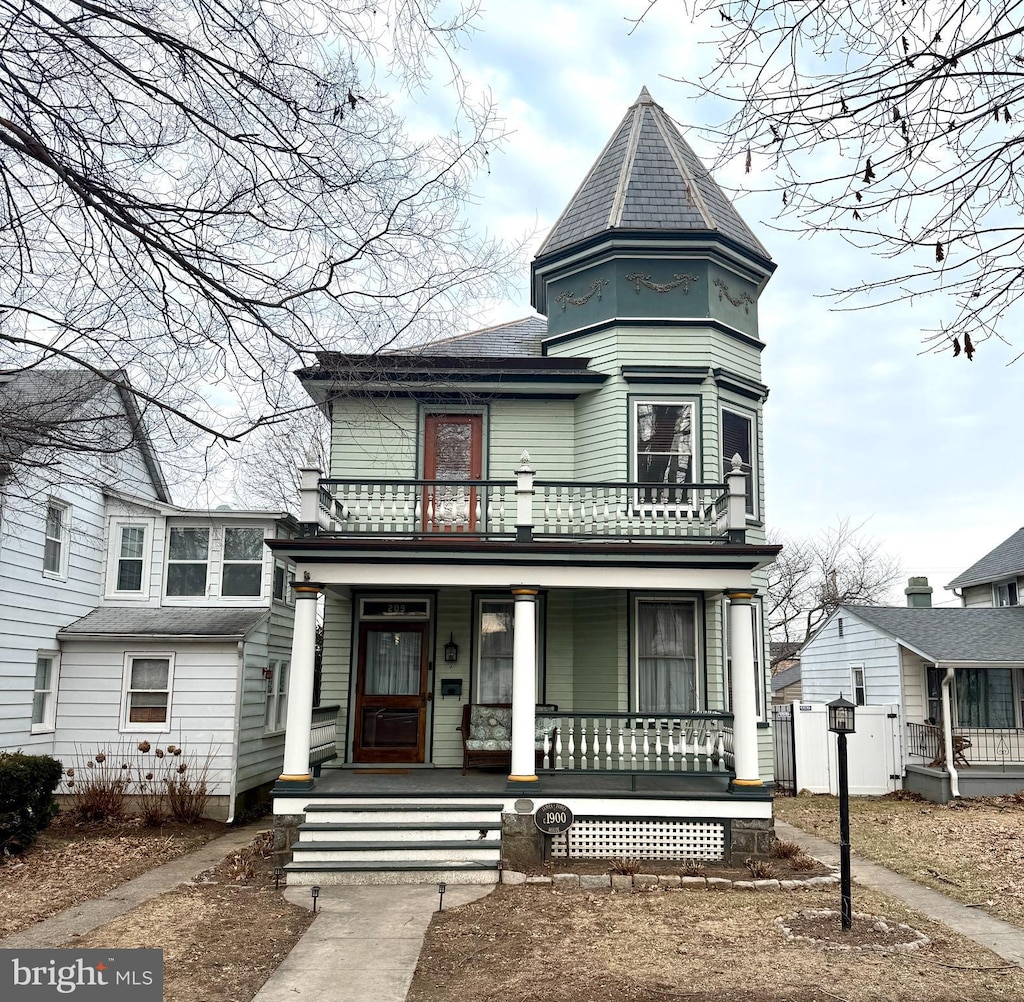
x=451, y=687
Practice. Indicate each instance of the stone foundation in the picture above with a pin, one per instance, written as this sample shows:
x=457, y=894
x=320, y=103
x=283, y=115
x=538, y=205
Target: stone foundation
x=750, y=839
x=522, y=845
x=286, y=834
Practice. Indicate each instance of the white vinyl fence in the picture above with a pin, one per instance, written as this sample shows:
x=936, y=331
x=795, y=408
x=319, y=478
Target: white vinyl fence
x=874, y=751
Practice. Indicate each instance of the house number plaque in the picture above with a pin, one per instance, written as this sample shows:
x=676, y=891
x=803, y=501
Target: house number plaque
x=553, y=819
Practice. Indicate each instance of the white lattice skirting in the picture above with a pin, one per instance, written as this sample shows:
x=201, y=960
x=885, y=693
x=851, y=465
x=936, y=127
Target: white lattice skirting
x=642, y=839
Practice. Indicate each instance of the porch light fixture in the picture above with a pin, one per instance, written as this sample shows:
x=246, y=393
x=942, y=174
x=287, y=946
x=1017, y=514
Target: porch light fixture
x=441, y=888
x=840, y=720
x=451, y=653
x=315, y=891
x=841, y=716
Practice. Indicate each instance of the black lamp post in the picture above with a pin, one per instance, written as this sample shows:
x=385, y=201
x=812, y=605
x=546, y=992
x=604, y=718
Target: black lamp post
x=841, y=721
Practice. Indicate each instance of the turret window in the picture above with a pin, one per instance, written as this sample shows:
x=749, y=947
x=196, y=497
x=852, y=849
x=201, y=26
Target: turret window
x=664, y=453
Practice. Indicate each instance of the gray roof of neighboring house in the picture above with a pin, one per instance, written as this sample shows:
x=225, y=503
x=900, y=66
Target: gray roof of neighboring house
x=649, y=179
x=788, y=676
x=43, y=408
x=1005, y=561
x=184, y=621
x=992, y=635
x=516, y=339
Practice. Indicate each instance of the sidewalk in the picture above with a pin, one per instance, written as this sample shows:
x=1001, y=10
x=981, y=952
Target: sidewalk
x=80, y=919
x=1003, y=939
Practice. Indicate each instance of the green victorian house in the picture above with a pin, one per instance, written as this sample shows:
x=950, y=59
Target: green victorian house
x=540, y=551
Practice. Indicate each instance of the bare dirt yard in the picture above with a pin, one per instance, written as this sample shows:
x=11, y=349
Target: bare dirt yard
x=225, y=933
x=971, y=850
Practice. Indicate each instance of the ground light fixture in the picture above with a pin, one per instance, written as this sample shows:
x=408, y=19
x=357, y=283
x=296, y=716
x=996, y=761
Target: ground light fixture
x=278, y=873
x=315, y=892
x=441, y=888
x=841, y=721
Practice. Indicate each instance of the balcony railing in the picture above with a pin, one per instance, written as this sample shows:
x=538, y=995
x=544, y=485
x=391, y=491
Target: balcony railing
x=629, y=742
x=971, y=745
x=524, y=508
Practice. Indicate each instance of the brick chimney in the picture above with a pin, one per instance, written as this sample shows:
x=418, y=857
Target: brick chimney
x=919, y=593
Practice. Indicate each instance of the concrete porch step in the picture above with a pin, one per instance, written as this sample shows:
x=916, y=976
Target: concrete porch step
x=412, y=871
x=393, y=831
x=424, y=815
x=384, y=854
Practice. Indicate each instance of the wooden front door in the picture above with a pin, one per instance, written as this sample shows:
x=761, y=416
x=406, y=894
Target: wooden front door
x=453, y=454
x=391, y=693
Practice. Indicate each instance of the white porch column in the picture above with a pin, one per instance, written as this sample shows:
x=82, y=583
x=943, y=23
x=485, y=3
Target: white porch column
x=524, y=688
x=744, y=701
x=300, y=688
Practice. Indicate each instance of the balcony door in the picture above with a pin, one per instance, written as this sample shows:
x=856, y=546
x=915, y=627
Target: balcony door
x=453, y=455
x=391, y=693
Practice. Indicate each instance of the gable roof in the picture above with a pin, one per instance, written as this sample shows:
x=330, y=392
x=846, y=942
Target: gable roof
x=45, y=408
x=179, y=622
x=1005, y=561
x=649, y=179
x=788, y=676
x=939, y=634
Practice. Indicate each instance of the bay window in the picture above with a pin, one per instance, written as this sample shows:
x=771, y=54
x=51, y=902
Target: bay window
x=738, y=439
x=663, y=449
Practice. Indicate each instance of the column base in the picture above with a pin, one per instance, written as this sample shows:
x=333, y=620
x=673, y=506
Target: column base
x=749, y=788
x=288, y=783
x=522, y=784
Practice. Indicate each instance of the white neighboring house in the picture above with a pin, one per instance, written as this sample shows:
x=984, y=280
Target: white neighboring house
x=957, y=675
x=124, y=618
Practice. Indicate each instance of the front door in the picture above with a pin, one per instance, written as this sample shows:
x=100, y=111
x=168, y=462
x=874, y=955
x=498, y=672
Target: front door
x=391, y=693
x=452, y=454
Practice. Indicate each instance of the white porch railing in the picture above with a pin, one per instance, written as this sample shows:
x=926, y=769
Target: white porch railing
x=627, y=742
x=323, y=736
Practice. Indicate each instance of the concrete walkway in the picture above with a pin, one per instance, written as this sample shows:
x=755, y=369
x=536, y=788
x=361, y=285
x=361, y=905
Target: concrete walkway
x=364, y=944
x=1003, y=939
x=80, y=919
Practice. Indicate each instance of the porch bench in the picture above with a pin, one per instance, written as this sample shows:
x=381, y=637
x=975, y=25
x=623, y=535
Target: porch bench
x=486, y=730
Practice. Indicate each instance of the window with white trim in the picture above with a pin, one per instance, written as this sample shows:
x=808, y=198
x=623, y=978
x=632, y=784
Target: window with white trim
x=275, y=710
x=146, y=701
x=242, y=568
x=663, y=449
x=1006, y=593
x=44, y=691
x=738, y=439
x=131, y=558
x=860, y=692
x=665, y=643
x=281, y=589
x=188, y=557
x=55, y=547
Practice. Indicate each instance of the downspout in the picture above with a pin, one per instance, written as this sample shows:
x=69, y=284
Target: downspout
x=947, y=732
x=237, y=731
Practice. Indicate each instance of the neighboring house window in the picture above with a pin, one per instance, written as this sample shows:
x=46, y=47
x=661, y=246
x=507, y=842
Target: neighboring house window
x=187, y=559
x=933, y=681
x=280, y=583
x=666, y=653
x=242, y=573
x=1006, y=593
x=984, y=697
x=839, y=624
x=55, y=550
x=44, y=691
x=738, y=439
x=663, y=449
x=495, y=633
x=275, y=712
x=859, y=689
x=147, y=692
x=130, y=558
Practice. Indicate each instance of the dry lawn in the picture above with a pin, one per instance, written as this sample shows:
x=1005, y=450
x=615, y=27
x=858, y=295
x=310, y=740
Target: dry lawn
x=971, y=850
x=529, y=944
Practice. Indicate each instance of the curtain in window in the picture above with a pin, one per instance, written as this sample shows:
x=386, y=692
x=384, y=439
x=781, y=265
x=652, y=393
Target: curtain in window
x=496, y=620
x=984, y=697
x=392, y=663
x=150, y=675
x=667, y=657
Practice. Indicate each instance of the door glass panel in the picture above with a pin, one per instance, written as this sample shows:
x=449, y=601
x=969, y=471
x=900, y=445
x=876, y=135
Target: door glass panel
x=453, y=450
x=390, y=728
x=393, y=663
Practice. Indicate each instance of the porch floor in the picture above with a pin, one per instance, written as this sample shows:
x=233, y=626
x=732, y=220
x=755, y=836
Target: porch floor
x=388, y=781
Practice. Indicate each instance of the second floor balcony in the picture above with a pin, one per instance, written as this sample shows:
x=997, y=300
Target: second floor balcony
x=526, y=508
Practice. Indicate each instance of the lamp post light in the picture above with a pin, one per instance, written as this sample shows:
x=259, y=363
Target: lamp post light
x=841, y=722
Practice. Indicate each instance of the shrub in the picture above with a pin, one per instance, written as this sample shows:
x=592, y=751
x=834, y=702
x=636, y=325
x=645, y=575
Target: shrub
x=760, y=869
x=187, y=788
x=98, y=785
x=785, y=850
x=27, y=804
x=625, y=865
x=802, y=863
x=694, y=868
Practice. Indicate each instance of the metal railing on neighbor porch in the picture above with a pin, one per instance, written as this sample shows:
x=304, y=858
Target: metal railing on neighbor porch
x=974, y=745
x=323, y=736
x=631, y=742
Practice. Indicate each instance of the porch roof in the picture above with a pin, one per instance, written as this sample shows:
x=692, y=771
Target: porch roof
x=970, y=636
x=178, y=622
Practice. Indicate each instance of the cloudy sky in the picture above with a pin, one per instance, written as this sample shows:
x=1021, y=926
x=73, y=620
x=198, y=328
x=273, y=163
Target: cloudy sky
x=861, y=424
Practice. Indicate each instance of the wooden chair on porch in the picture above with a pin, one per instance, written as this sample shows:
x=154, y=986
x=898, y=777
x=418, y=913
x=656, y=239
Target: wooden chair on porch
x=960, y=745
x=486, y=730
